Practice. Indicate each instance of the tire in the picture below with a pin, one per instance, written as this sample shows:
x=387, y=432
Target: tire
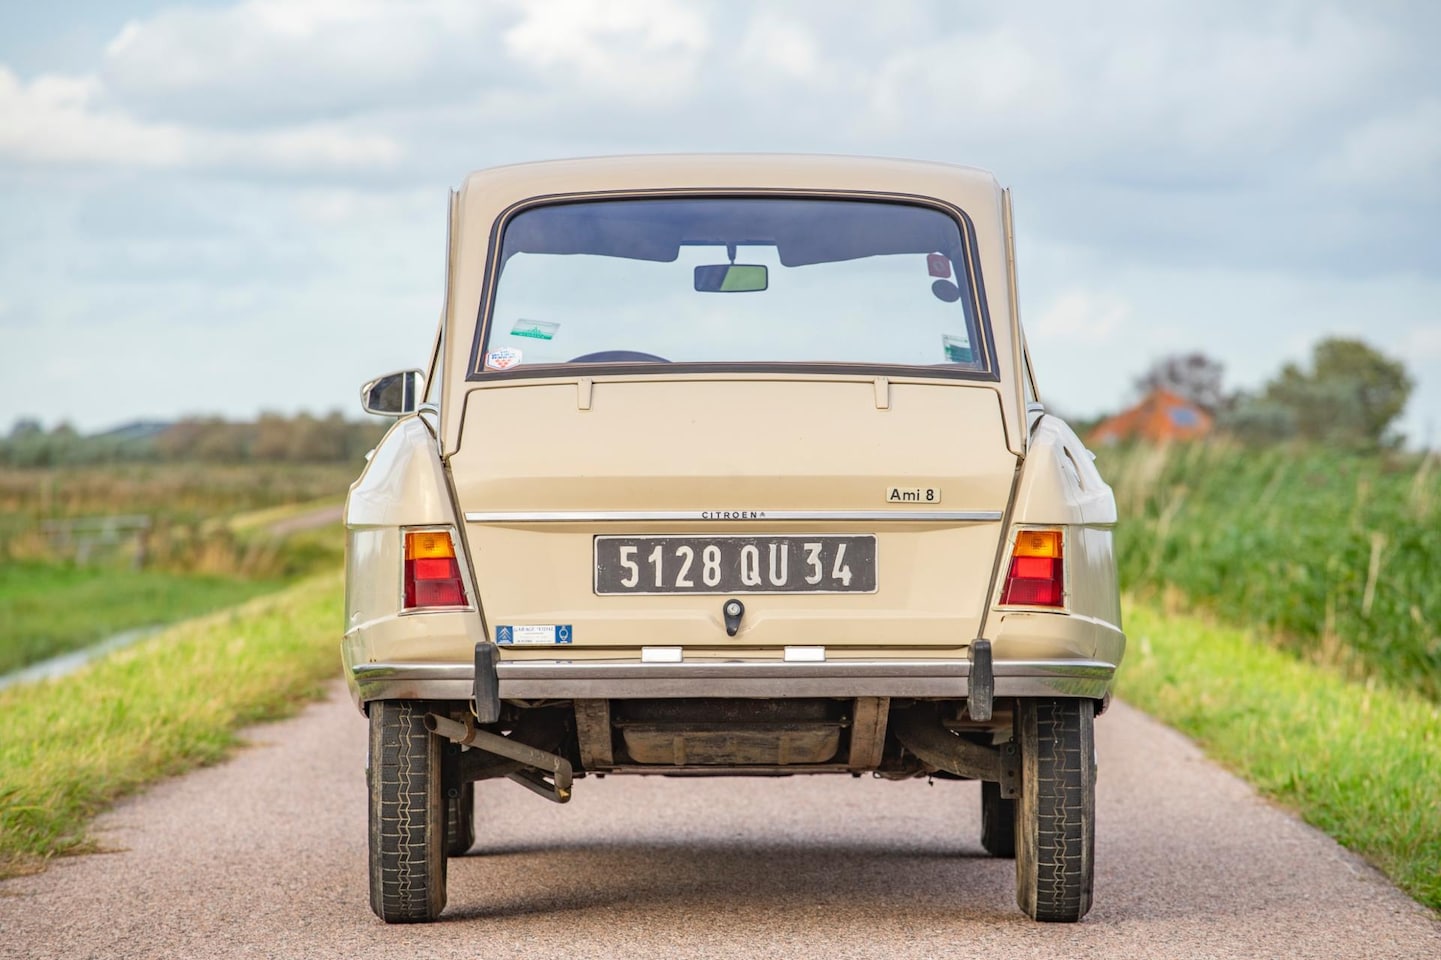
x=407, y=814
x=1056, y=812
x=460, y=822
x=998, y=821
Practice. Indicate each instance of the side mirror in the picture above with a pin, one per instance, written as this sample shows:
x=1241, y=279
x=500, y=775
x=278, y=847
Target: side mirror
x=393, y=395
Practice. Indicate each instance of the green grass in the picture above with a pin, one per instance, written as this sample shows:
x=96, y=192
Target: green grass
x=172, y=702
x=1334, y=555
x=1361, y=761
x=48, y=609
x=178, y=492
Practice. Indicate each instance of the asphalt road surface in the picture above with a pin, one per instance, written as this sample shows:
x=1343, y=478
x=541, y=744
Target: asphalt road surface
x=265, y=857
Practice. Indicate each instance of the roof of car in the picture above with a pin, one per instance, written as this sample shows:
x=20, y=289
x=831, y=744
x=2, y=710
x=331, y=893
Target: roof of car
x=732, y=171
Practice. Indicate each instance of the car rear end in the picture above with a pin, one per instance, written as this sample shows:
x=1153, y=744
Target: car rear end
x=732, y=472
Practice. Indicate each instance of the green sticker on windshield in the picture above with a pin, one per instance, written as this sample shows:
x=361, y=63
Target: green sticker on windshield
x=957, y=349
x=534, y=329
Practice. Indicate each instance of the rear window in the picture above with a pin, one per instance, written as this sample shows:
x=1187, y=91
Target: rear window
x=733, y=282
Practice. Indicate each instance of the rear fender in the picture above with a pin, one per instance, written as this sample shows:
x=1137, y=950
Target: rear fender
x=405, y=484
x=1059, y=480
x=1059, y=486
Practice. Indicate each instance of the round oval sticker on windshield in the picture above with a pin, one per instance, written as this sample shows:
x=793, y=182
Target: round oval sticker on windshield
x=731, y=278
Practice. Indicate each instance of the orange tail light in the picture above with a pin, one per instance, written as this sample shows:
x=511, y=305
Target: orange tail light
x=1037, y=574
x=432, y=574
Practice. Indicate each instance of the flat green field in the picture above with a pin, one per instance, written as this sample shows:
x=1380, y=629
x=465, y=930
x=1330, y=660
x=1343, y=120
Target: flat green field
x=48, y=609
x=170, y=703
x=213, y=536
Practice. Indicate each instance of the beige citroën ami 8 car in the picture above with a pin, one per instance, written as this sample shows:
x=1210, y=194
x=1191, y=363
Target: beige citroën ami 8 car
x=729, y=465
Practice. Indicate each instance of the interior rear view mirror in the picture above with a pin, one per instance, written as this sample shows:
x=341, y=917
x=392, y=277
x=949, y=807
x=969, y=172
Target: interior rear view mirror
x=731, y=278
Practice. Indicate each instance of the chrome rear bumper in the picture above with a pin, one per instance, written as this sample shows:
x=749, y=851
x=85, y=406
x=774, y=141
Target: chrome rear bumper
x=631, y=679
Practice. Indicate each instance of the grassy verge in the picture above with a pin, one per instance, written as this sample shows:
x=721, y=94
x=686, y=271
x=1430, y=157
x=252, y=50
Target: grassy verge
x=1360, y=761
x=172, y=702
x=48, y=609
x=1333, y=555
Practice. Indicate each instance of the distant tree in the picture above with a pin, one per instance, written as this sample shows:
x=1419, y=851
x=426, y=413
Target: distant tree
x=26, y=427
x=272, y=437
x=178, y=442
x=315, y=441
x=1194, y=376
x=222, y=442
x=1349, y=397
x=1254, y=419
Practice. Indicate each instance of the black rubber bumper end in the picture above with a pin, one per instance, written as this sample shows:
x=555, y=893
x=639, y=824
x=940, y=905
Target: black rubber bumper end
x=487, y=683
x=982, y=681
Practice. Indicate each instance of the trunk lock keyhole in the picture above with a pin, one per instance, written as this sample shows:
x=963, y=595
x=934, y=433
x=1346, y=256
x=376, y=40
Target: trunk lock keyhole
x=733, y=610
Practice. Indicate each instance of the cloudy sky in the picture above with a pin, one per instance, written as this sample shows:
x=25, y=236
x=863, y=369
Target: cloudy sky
x=232, y=207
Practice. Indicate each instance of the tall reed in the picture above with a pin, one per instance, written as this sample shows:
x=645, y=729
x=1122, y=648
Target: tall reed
x=1337, y=555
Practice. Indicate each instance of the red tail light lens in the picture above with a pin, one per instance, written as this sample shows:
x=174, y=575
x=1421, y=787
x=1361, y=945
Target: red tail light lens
x=432, y=574
x=1037, y=574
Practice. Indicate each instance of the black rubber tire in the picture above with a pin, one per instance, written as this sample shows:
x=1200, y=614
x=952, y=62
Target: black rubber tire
x=407, y=814
x=998, y=821
x=460, y=822
x=1056, y=814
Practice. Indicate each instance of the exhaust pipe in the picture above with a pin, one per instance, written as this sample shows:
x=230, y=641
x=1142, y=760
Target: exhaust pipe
x=558, y=788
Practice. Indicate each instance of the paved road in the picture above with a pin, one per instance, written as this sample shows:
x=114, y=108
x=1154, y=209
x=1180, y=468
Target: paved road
x=265, y=857
x=319, y=517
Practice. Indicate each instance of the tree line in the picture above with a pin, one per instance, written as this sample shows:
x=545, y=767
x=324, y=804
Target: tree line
x=1348, y=396
x=303, y=438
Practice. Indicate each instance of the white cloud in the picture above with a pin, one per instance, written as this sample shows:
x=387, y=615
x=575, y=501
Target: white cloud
x=260, y=62
x=645, y=50
x=1000, y=76
x=287, y=61
x=50, y=120
x=58, y=120
x=1422, y=343
x=780, y=44
x=1398, y=153
x=1226, y=176
x=1171, y=88
x=1081, y=316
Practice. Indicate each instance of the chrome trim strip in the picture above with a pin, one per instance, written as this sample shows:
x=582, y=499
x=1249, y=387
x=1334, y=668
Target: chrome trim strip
x=622, y=679
x=412, y=681
x=635, y=516
x=415, y=671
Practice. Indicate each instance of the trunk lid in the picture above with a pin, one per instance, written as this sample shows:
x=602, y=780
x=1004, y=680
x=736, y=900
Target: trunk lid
x=545, y=468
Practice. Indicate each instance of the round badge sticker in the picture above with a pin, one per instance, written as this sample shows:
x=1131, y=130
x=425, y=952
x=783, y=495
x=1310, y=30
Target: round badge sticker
x=502, y=358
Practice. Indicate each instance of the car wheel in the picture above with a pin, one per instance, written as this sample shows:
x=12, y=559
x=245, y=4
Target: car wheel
x=1056, y=813
x=407, y=814
x=998, y=821
x=460, y=822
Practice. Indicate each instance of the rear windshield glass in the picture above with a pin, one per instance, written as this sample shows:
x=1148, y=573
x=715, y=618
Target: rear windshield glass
x=734, y=281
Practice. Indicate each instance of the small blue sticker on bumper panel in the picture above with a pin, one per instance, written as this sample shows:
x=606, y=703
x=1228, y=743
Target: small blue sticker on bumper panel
x=540, y=634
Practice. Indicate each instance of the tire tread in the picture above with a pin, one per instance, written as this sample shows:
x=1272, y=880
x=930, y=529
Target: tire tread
x=407, y=859
x=1056, y=819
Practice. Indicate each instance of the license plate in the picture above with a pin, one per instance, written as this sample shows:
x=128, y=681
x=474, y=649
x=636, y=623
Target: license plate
x=776, y=564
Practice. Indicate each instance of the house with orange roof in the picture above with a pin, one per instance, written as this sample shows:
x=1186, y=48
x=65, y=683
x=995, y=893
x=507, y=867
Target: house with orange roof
x=1161, y=416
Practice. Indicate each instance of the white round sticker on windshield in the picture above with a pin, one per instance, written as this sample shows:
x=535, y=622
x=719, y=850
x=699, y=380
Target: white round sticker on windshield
x=502, y=358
